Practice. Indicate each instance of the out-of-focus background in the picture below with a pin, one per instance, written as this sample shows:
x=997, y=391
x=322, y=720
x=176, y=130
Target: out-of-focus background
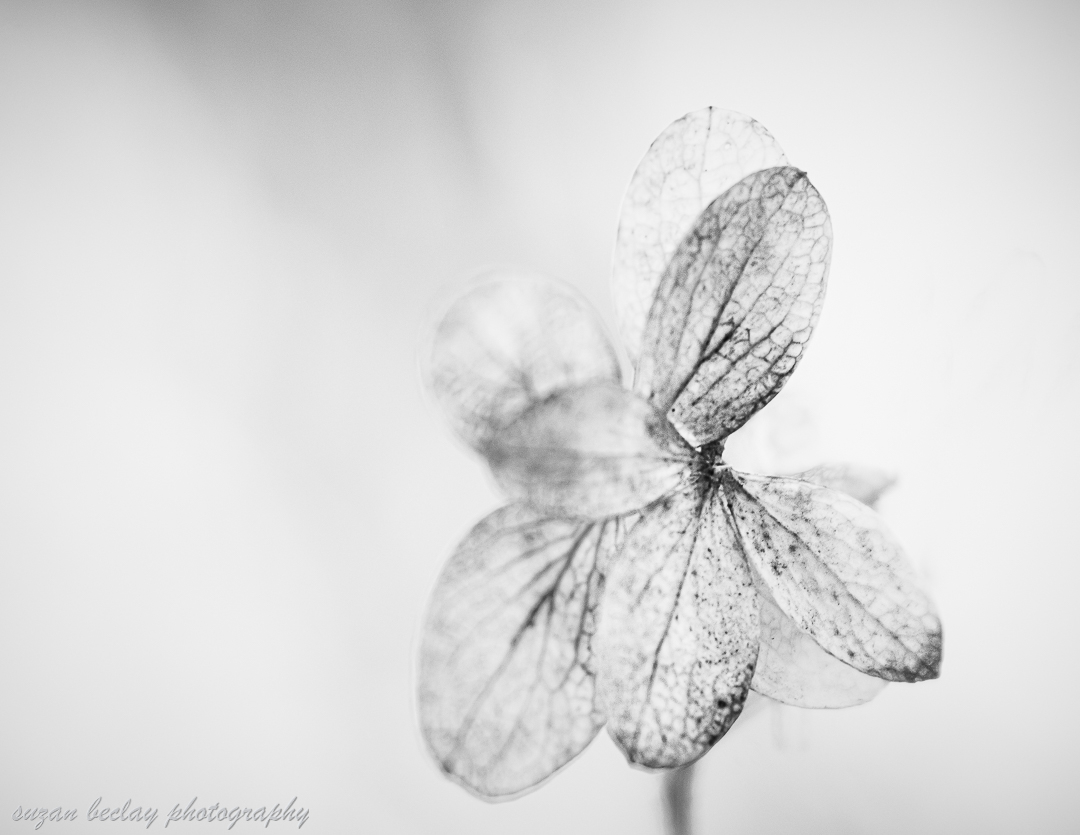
x=224, y=496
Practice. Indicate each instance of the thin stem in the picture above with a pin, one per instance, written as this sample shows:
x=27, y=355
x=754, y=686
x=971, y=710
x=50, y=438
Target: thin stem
x=677, y=792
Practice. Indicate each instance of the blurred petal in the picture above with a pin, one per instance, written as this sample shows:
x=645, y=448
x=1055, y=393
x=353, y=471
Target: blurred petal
x=694, y=161
x=737, y=304
x=866, y=484
x=589, y=452
x=507, y=343
x=506, y=682
x=678, y=632
x=793, y=669
x=831, y=565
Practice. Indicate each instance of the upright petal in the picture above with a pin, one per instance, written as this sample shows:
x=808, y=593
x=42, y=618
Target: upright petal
x=508, y=342
x=678, y=632
x=737, y=304
x=506, y=679
x=589, y=452
x=695, y=160
x=831, y=565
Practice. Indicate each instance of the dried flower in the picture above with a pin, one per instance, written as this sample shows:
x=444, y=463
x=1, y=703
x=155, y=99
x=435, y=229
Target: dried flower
x=635, y=579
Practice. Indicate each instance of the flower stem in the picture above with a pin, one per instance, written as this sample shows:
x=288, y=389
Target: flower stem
x=677, y=792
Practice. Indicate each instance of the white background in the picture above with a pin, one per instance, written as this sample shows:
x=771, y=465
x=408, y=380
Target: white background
x=224, y=496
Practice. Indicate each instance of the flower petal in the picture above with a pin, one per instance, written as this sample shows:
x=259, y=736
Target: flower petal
x=695, y=160
x=737, y=304
x=589, y=452
x=866, y=484
x=508, y=342
x=831, y=565
x=678, y=632
x=791, y=667
x=506, y=682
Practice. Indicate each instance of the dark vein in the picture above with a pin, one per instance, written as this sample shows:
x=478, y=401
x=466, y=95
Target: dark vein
x=546, y=597
x=847, y=594
x=504, y=604
x=705, y=355
x=735, y=360
x=670, y=618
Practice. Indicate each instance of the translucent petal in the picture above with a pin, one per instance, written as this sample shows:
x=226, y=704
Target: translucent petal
x=831, y=565
x=678, y=632
x=737, y=304
x=694, y=161
x=508, y=342
x=791, y=667
x=506, y=680
x=863, y=483
x=589, y=452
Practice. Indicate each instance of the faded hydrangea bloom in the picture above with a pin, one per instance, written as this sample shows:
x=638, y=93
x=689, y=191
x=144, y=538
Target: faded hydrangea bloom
x=635, y=579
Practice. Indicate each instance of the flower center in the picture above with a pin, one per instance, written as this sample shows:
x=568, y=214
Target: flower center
x=709, y=464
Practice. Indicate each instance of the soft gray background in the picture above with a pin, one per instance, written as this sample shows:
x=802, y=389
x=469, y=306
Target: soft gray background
x=224, y=497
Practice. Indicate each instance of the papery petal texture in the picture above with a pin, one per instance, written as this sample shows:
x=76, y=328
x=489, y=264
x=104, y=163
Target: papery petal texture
x=591, y=452
x=831, y=565
x=508, y=342
x=793, y=669
x=694, y=161
x=506, y=686
x=736, y=304
x=678, y=632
